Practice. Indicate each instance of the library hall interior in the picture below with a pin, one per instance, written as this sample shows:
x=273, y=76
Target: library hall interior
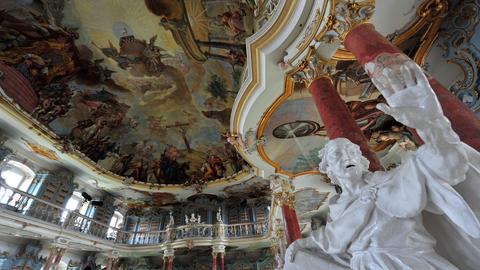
x=239, y=134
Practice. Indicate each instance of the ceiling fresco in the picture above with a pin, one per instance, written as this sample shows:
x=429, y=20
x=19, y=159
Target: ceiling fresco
x=144, y=89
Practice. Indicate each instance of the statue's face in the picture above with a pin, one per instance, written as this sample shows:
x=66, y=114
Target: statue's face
x=344, y=161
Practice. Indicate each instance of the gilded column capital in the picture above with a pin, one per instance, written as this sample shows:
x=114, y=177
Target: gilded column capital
x=282, y=189
x=281, y=183
x=347, y=15
x=218, y=250
x=169, y=253
x=313, y=67
x=284, y=198
x=113, y=254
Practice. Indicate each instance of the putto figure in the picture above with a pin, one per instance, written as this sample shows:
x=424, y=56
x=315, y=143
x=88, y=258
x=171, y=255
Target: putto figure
x=376, y=222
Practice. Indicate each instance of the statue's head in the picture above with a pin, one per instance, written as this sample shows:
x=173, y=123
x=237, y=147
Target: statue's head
x=342, y=159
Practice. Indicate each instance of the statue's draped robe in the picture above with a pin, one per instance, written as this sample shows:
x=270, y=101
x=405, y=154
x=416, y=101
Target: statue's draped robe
x=452, y=243
x=381, y=227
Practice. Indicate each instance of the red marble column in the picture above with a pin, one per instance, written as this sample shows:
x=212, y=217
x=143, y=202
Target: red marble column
x=48, y=263
x=338, y=120
x=115, y=263
x=292, y=227
x=170, y=263
x=59, y=256
x=108, y=263
x=366, y=44
x=222, y=262
x=111, y=263
x=214, y=263
x=54, y=256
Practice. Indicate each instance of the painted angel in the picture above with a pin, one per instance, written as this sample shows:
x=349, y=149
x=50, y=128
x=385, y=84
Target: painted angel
x=383, y=220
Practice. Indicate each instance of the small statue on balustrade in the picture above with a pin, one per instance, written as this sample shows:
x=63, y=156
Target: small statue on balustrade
x=171, y=221
x=219, y=216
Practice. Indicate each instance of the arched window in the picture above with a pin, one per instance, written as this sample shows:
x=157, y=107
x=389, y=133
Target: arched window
x=17, y=176
x=116, y=221
x=74, y=202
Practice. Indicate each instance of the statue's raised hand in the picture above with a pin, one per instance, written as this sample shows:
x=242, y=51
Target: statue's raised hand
x=409, y=95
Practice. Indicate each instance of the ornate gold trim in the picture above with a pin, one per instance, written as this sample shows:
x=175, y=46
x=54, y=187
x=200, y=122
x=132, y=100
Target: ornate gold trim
x=320, y=14
x=289, y=89
x=282, y=198
x=430, y=14
x=425, y=11
x=24, y=118
x=283, y=19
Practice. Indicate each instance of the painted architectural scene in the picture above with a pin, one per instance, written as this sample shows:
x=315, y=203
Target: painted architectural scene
x=295, y=127
x=145, y=90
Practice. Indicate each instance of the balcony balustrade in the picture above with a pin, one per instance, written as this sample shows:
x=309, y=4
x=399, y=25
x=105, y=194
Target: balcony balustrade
x=30, y=206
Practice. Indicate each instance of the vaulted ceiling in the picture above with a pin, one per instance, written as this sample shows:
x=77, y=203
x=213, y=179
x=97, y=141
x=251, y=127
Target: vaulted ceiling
x=143, y=89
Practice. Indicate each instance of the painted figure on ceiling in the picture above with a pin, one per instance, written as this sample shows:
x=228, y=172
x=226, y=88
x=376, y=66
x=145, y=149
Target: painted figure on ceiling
x=106, y=90
x=233, y=21
x=376, y=222
x=213, y=168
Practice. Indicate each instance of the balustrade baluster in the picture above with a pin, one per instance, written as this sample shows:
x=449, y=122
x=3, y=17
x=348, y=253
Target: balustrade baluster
x=49, y=212
x=3, y=193
x=34, y=212
x=10, y=198
x=17, y=201
x=23, y=204
x=44, y=212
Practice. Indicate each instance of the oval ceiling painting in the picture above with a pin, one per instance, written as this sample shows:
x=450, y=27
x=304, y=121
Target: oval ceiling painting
x=142, y=88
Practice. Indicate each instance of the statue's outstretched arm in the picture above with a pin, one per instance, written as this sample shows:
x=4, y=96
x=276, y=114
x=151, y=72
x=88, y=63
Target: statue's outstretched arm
x=412, y=101
x=442, y=161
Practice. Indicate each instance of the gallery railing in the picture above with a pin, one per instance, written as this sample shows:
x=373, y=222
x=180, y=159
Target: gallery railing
x=28, y=205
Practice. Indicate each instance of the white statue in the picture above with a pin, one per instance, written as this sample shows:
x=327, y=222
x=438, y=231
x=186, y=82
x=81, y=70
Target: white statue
x=219, y=216
x=193, y=219
x=186, y=219
x=198, y=218
x=171, y=221
x=376, y=222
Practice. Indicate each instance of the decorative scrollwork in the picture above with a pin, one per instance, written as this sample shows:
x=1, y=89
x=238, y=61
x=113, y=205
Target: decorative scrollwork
x=459, y=48
x=264, y=11
x=282, y=188
x=284, y=198
x=314, y=67
x=347, y=15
